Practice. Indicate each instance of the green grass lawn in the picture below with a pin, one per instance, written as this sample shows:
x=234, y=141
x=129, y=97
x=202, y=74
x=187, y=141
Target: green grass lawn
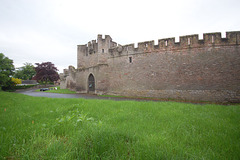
x=64, y=91
x=46, y=128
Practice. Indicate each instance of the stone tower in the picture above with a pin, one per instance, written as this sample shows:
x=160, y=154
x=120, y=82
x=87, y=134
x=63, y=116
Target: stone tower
x=94, y=53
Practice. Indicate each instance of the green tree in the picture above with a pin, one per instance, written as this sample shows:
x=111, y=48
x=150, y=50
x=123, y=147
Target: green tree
x=6, y=70
x=26, y=72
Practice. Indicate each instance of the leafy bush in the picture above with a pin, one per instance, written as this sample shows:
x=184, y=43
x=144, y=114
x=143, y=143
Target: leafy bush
x=9, y=86
x=16, y=81
x=24, y=86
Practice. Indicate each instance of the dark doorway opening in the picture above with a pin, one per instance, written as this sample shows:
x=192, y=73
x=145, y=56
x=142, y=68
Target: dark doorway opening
x=91, y=83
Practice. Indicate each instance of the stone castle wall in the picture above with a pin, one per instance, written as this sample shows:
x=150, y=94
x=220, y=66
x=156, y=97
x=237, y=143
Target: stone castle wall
x=68, y=78
x=192, y=69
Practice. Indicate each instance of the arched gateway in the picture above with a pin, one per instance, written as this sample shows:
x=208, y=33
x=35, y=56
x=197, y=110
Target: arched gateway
x=91, y=83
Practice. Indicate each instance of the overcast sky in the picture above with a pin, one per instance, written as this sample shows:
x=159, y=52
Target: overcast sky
x=36, y=31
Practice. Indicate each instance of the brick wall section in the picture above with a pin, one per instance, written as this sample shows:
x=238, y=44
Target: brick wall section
x=195, y=69
x=182, y=74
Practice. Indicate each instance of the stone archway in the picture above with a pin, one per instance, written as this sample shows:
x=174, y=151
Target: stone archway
x=91, y=83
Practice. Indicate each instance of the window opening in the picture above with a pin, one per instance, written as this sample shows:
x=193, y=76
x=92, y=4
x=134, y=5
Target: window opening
x=102, y=50
x=166, y=43
x=189, y=42
x=130, y=59
x=212, y=39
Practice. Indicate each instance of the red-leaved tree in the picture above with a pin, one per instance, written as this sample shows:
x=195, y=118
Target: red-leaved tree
x=46, y=72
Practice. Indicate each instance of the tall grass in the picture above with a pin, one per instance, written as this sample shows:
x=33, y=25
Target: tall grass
x=45, y=128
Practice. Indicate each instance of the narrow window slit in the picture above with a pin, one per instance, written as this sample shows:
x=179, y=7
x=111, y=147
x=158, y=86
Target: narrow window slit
x=166, y=43
x=212, y=39
x=130, y=59
x=189, y=41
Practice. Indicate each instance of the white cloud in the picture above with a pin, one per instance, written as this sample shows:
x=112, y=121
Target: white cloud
x=49, y=30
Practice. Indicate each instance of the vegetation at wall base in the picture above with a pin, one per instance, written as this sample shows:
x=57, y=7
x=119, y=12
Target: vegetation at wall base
x=170, y=100
x=47, y=128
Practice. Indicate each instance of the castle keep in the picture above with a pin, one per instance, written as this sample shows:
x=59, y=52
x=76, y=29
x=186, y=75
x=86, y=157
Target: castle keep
x=191, y=69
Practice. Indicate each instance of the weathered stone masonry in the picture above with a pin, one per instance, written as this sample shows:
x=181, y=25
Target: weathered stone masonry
x=192, y=69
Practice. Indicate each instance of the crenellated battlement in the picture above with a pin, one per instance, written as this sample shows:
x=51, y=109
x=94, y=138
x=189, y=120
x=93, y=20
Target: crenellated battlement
x=89, y=48
x=208, y=38
x=232, y=38
x=103, y=48
x=185, y=42
x=101, y=45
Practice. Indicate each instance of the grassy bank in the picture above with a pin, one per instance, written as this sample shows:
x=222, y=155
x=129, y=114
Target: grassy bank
x=59, y=90
x=45, y=128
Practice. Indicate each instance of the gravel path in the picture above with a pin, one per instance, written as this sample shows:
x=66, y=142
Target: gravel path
x=31, y=92
x=85, y=96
